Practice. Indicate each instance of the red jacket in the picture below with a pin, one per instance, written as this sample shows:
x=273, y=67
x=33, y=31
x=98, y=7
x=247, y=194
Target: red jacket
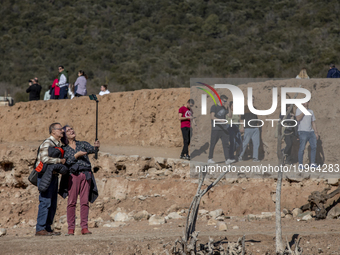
x=56, y=88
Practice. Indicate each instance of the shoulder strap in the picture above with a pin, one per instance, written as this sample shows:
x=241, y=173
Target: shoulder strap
x=36, y=159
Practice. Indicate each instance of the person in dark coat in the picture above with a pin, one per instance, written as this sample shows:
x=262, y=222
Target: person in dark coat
x=50, y=169
x=80, y=181
x=48, y=200
x=34, y=89
x=333, y=72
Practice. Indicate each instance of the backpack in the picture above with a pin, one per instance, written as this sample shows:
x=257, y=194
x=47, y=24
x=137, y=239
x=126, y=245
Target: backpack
x=33, y=177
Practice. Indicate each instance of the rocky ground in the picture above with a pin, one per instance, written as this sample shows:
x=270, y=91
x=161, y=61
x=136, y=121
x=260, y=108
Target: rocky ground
x=143, y=204
x=145, y=192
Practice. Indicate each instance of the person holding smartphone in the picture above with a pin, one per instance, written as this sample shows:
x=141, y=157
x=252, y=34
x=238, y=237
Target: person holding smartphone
x=80, y=181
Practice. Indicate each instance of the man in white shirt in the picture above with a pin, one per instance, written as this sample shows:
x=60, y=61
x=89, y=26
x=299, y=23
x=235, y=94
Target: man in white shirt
x=103, y=90
x=63, y=82
x=307, y=133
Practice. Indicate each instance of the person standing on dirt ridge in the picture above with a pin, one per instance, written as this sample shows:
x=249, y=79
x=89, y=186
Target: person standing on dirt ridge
x=63, y=82
x=34, y=89
x=303, y=74
x=307, y=133
x=103, y=90
x=333, y=72
x=185, y=117
x=218, y=113
x=48, y=199
x=289, y=132
x=251, y=132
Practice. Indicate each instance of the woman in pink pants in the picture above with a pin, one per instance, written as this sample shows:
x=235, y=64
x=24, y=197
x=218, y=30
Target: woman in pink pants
x=80, y=181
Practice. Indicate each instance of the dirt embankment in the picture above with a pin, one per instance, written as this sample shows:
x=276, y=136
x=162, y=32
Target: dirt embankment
x=144, y=117
x=150, y=117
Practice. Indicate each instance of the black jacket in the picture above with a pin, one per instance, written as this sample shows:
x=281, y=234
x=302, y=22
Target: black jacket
x=34, y=91
x=76, y=169
x=47, y=171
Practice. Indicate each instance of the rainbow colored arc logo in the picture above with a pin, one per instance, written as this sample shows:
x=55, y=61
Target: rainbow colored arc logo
x=209, y=93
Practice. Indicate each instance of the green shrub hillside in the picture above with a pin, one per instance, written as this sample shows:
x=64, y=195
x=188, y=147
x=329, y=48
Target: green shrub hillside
x=159, y=44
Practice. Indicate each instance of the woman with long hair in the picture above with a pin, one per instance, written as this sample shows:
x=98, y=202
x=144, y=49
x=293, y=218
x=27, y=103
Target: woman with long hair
x=303, y=74
x=80, y=181
x=80, y=84
x=71, y=90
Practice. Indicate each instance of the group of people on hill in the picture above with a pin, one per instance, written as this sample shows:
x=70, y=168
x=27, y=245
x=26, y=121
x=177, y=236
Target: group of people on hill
x=62, y=154
x=333, y=72
x=61, y=87
x=231, y=138
x=230, y=135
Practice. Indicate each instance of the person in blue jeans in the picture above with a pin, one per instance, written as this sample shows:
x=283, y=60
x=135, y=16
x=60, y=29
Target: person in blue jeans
x=48, y=198
x=307, y=133
x=250, y=132
x=234, y=132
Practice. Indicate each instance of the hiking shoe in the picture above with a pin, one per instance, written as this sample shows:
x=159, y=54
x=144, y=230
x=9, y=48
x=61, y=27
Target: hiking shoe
x=43, y=233
x=240, y=159
x=70, y=232
x=85, y=231
x=313, y=165
x=187, y=157
x=182, y=157
x=256, y=160
x=211, y=161
x=230, y=161
x=301, y=167
x=54, y=233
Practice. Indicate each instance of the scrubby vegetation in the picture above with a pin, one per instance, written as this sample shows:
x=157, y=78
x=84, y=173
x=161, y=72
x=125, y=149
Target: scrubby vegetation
x=159, y=44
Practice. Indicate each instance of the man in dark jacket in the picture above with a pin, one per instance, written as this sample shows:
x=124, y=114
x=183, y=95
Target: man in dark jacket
x=333, y=72
x=48, y=199
x=34, y=89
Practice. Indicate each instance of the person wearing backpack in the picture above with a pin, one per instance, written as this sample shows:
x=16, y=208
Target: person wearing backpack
x=333, y=72
x=48, y=198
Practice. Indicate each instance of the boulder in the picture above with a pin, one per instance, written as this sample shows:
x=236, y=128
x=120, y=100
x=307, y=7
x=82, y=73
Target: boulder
x=142, y=215
x=32, y=223
x=3, y=231
x=222, y=226
x=175, y=216
x=333, y=181
x=156, y=220
x=289, y=216
x=121, y=217
x=251, y=217
x=141, y=197
x=296, y=212
x=202, y=212
x=212, y=222
x=334, y=213
x=301, y=215
x=307, y=217
x=216, y=213
x=173, y=208
x=286, y=211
